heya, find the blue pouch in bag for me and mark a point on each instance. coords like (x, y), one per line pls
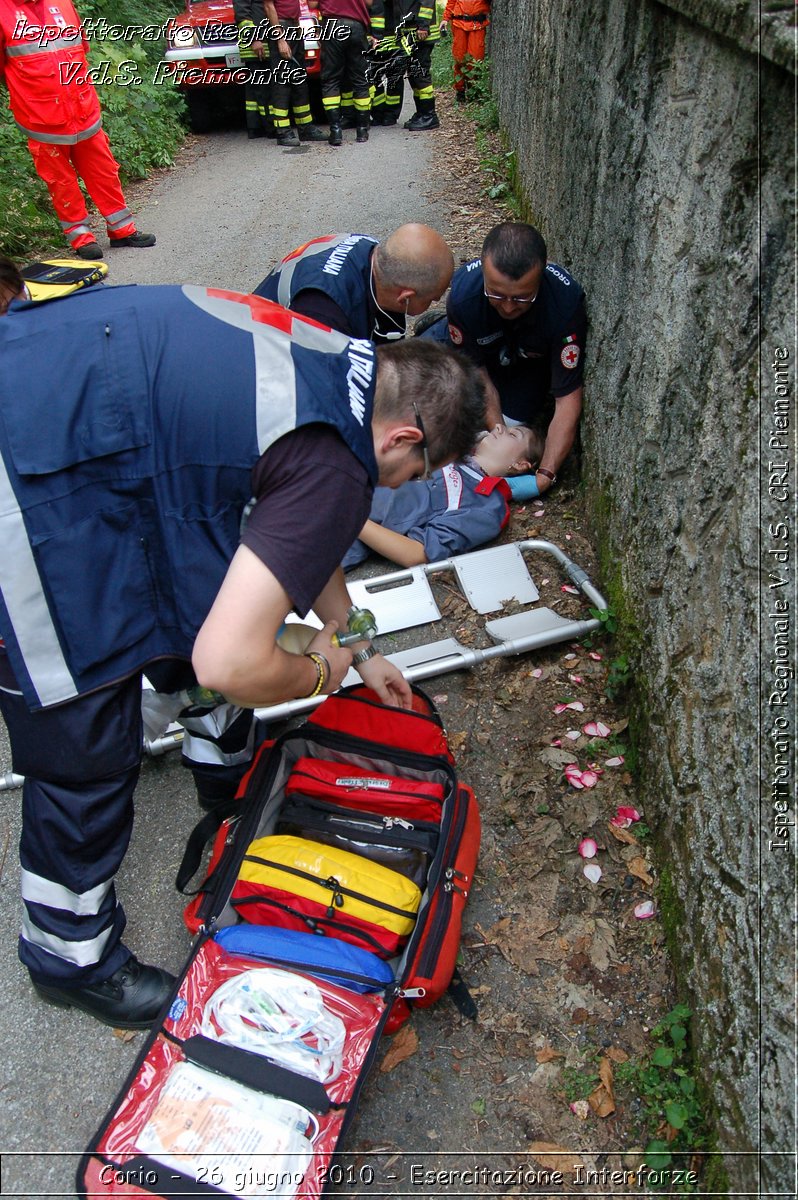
(348, 966)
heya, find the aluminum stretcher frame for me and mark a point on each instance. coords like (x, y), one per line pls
(488, 578)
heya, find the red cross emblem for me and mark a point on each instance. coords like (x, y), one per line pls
(569, 356)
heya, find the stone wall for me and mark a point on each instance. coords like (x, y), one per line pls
(654, 147)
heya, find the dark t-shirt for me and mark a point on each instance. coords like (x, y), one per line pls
(312, 498)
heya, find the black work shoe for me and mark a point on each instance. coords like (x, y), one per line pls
(288, 137)
(137, 240)
(311, 133)
(130, 999)
(422, 121)
(336, 137)
(349, 121)
(90, 250)
(362, 133)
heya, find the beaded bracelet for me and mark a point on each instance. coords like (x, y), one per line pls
(323, 668)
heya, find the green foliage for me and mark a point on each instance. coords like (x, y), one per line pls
(142, 120)
(666, 1086)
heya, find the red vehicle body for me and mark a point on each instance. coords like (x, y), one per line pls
(204, 56)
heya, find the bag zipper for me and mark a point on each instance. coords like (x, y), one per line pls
(339, 892)
(408, 836)
(311, 922)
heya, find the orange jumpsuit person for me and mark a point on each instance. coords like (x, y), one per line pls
(43, 63)
(469, 20)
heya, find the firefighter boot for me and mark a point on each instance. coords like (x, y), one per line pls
(362, 127)
(336, 136)
(425, 118)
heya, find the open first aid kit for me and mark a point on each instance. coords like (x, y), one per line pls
(333, 903)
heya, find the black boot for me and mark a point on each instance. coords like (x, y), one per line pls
(425, 118)
(348, 120)
(311, 133)
(288, 138)
(336, 136)
(362, 127)
(130, 999)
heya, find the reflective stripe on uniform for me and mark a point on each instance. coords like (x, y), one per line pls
(62, 139)
(38, 890)
(37, 48)
(27, 606)
(82, 953)
(123, 217)
(201, 742)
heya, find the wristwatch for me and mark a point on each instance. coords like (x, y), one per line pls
(363, 656)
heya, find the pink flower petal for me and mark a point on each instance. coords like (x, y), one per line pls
(574, 778)
(593, 872)
(596, 729)
(589, 779)
(644, 910)
(575, 678)
(543, 582)
(574, 705)
(630, 813)
(588, 848)
(573, 734)
(617, 761)
(568, 657)
(594, 655)
(540, 512)
(536, 674)
(581, 1109)
(556, 742)
(572, 591)
(567, 537)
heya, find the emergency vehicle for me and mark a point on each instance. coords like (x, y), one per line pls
(204, 56)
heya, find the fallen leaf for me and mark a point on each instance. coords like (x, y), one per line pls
(637, 867)
(622, 835)
(403, 1045)
(457, 741)
(602, 946)
(617, 1054)
(556, 1158)
(548, 1054)
(601, 1102)
(125, 1035)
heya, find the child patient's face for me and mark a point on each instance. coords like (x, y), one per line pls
(503, 449)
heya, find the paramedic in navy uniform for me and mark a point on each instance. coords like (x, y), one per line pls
(522, 320)
(361, 287)
(189, 466)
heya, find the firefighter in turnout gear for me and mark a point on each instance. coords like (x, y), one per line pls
(416, 26)
(469, 20)
(250, 18)
(343, 63)
(44, 65)
(290, 53)
(387, 65)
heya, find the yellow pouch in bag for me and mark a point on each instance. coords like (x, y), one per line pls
(345, 883)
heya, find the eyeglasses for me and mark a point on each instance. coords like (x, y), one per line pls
(509, 299)
(422, 444)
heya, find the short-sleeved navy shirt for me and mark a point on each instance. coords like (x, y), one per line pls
(540, 354)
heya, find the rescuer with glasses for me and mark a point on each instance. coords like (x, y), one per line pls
(522, 320)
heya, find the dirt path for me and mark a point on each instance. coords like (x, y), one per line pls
(566, 978)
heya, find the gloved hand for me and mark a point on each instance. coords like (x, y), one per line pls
(522, 487)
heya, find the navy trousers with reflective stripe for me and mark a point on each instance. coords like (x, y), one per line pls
(81, 765)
